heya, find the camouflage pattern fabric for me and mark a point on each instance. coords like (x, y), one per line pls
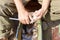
(32, 31)
(7, 9)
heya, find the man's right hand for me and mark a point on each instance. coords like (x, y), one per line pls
(23, 17)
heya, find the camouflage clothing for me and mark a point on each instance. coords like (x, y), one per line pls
(7, 9)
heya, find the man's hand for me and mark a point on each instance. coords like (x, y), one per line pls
(38, 14)
(23, 17)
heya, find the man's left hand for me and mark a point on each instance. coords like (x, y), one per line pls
(38, 14)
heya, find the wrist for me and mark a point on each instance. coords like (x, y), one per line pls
(43, 9)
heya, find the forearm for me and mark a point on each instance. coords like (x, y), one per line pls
(45, 5)
(19, 5)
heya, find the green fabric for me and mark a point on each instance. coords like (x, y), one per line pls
(39, 26)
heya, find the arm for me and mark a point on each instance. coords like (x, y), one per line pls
(22, 13)
(38, 14)
(19, 5)
(45, 4)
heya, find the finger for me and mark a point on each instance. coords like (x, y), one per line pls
(39, 17)
(23, 21)
(34, 19)
(38, 13)
(30, 17)
(35, 13)
(27, 20)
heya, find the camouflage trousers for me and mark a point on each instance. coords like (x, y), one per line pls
(6, 25)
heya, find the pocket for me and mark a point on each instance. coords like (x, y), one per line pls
(55, 10)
